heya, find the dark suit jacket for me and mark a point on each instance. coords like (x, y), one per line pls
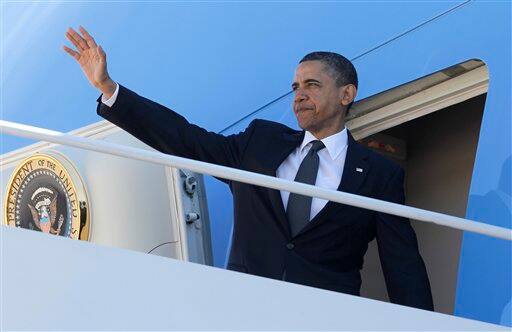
(328, 253)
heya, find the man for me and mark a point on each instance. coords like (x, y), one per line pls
(277, 234)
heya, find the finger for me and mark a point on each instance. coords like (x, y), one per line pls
(88, 38)
(74, 54)
(102, 54)
(74, 42)
(79, 41)
(78, 38)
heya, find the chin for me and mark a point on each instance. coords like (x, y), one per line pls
(303, 123)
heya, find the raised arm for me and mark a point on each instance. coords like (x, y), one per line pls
(169, 132)
(152, 123)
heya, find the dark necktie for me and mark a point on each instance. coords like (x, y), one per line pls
(299, 206)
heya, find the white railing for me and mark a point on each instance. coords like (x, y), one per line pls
(255, 179)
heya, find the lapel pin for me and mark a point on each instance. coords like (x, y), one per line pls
(360, 170)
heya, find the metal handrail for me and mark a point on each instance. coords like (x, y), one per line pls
(234, 174)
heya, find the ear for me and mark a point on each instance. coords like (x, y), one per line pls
(348, 94)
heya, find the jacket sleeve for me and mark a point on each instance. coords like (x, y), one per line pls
(404, 270)
(169, 132)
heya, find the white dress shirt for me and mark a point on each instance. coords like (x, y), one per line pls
(109, 102)
(330, 169)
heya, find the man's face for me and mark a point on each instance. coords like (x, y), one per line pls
(318, 103)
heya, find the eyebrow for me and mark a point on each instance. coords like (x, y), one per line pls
(309, 80)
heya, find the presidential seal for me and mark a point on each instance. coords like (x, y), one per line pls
(46, 194)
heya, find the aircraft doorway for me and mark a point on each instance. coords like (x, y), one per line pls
(437, 151)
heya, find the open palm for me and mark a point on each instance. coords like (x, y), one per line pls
(90, 56)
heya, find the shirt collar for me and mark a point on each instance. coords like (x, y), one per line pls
(334, 143)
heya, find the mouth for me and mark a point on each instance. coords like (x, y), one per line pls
(302, 109)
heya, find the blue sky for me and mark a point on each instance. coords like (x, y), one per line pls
(213, 62)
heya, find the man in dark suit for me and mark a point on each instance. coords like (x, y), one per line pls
(277, 234)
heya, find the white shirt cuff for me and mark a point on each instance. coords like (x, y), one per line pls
(109, 102)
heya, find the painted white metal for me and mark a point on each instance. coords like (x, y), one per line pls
(54, 283)
(98, 130)
(445, 94)
(194, 234)
(256, 179)
(147, 216)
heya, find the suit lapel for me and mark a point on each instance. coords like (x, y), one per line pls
(355, 169)
(276, 155)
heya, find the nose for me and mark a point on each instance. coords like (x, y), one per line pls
(300, 95)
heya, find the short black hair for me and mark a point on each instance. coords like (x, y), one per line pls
(341, 68)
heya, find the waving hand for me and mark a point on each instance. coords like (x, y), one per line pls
(92, 59)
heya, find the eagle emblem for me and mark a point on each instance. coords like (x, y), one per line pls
(44, 211)
(45, 194)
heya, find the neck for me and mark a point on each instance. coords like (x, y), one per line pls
(327, 131)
